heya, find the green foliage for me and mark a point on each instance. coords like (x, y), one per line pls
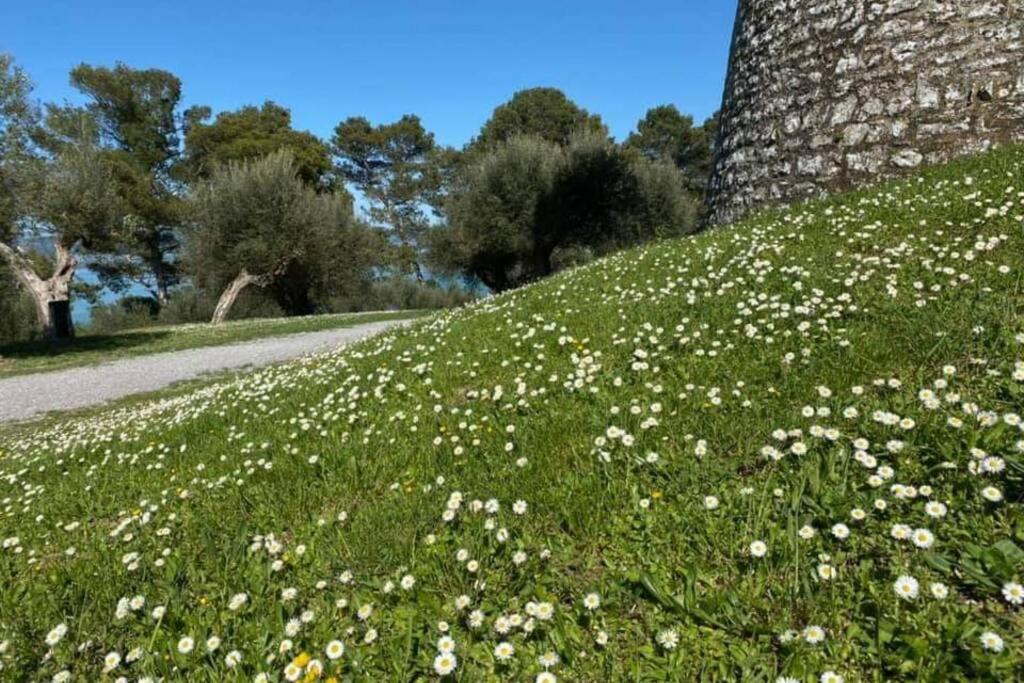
(394, 167)
(664, 134)
(530, 206)
(259, 216)
(543, 112)
(401, 294)
(250, 133)
(136, 110)
(136, 115)
(79, 199)
(17, 314)
(186, 306)
(17, 120)
(493, 219)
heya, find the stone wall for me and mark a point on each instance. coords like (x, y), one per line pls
(825, 95)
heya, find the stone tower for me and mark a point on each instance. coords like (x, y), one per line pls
(824, 95)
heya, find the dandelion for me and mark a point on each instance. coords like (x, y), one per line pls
(238, 601)
(233, 659)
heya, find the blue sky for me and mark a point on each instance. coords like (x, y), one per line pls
(449, 61)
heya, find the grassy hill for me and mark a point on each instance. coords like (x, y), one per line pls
(791, 447)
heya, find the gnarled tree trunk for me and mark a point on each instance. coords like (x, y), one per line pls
(51, 296)
(227, 298)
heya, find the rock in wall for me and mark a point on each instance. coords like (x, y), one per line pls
(825, 95)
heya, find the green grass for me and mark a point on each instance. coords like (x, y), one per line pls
(829, 374)
(88, 349)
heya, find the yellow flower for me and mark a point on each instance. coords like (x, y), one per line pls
(656, 495)
(302, 659)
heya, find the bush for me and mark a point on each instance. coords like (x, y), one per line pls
(402, 294)
(17, 318)
(186, 305)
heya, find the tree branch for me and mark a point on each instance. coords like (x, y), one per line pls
(21, 266)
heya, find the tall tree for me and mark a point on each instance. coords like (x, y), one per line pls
(666, 134)
(249, 133)
(138, 118)
(394, 166)
(256, 220)
(493, 214)
(530, 206)
(543, 112)
(17, 120)
(75, 209)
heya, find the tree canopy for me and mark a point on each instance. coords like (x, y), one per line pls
(249, 133)
(142, 191)
(530, 206)
(393, 166)
(257, 223)
(666, 134)
(136, 112)
(542, 112)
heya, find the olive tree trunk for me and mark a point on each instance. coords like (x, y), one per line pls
(52, 296)
(227, 298)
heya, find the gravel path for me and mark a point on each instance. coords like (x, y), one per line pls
(25, 396)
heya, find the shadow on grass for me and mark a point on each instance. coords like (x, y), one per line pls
(111, 344)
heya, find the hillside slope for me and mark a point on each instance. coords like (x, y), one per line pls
(792, 447)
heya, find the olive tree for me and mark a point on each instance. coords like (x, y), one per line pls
(530, 206)
(255, 220)
(68, 205)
